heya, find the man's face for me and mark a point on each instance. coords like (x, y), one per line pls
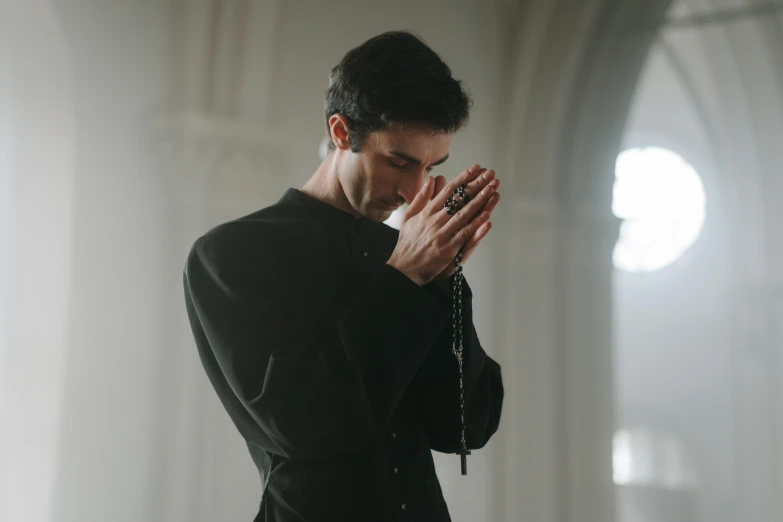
(391, 168)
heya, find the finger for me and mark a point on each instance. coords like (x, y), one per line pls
(474, 187)
(421, 199)
(440, 182)
(473, 243)
(464, 178)
(461, 236)
(451, 224)
(493, 201)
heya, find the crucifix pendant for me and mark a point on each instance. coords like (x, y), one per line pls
(463, 455)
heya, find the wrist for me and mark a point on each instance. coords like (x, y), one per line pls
(410, 276)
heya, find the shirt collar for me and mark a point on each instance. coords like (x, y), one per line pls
(320, 208)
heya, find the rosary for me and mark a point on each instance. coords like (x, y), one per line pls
(456, 329)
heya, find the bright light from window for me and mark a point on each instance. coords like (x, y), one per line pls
(646, 458)
(661, 199)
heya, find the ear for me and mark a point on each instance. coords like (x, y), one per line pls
(338, 126)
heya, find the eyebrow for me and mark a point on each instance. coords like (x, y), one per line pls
(411, 159)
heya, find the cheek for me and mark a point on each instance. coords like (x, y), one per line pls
(386, 178)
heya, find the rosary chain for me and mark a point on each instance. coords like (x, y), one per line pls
(457, 342)
(452, 207)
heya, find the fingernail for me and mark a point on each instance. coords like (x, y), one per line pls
(474, 169)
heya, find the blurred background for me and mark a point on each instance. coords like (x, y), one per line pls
(631, 288)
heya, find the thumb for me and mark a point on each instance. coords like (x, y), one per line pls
(421, 200)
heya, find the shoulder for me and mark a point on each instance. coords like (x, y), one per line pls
(268, 239)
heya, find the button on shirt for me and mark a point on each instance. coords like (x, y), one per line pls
(334, 366)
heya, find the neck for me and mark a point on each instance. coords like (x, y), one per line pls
(324, 185)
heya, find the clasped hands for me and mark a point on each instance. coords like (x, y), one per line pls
(430, 238)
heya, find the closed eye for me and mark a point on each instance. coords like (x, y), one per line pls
(406, 165)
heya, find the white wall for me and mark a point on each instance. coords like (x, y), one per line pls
(36, 179)
(105, 466)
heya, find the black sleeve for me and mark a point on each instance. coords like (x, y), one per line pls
(293, 387)
(437, 385)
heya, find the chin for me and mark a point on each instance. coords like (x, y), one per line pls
(380, 217)
(376, 214)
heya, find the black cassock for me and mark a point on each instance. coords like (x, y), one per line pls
(336, 368)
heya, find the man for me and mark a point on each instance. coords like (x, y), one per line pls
(326, 333)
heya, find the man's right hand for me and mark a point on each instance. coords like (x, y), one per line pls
(429, 238)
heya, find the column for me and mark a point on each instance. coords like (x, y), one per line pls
(555, 442)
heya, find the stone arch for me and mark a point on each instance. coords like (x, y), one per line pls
(572, 77)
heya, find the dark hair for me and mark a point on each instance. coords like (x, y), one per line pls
(394, 78)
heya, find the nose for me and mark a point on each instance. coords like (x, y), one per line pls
(412, 184)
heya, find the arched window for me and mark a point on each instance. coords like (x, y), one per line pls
(661, 200)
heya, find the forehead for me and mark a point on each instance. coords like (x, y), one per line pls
(413, 139)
